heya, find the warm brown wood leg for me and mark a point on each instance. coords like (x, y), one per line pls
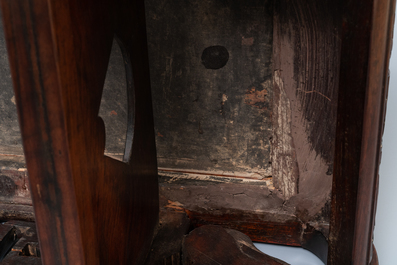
(90, 209)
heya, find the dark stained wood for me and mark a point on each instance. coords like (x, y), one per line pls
(27, 235)
(213, 120)
(8, 238)
(13, 258)
(352, 85)
(243, 207)
(90, 209)
(256, 227)
(14, 186)
(24, 248)
(365, 32)
(216, 245)
(17, 212)
(330, 62)
(167, 243)
(374, 113)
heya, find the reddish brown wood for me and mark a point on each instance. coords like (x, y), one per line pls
(365, 54)
(374, 112)
(90, 209)
(14, 186)
(216, 245)
(352, 85)
(16, 212)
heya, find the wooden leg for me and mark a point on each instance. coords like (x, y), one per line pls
(90, 209)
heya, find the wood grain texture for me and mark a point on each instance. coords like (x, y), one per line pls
(216, 245)
(352, 85)
(306, 60)
(374, 114)
(366, 32)
(84, 201)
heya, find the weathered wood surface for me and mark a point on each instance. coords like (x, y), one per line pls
(213, 120)
(306, 71)
(22, 246)
(10, 135)
(11, 211)
(90, 209)
(27, 244)
(243, 207)
(14, 187)
(380, 44)
(216, 245)
(321, 60)
(305, 42)
(13, 258)
(291, 165)
(8, 237)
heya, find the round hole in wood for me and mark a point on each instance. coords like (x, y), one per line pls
(214, 57)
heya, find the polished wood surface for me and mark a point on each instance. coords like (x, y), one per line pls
(365, 51)
(374, 117)
(90, 209)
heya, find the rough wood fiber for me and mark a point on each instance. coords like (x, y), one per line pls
(306, 64)
(10, 135)
(113, 109)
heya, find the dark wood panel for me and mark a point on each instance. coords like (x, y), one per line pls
(214, 120)
(362, 85)
(83, 200)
